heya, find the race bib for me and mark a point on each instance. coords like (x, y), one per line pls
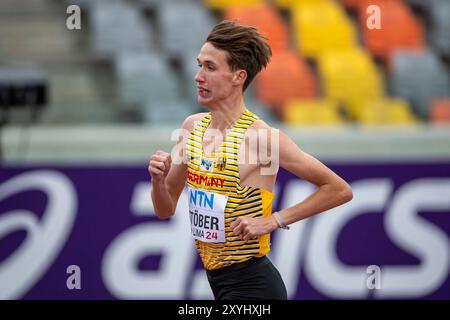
(206, 213)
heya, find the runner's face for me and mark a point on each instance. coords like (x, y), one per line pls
(214, 78)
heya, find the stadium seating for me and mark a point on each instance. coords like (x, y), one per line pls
(321, 26)
(350, 78)
(419, 3)
(440, 30)
(287, 77)
(440, 111)
(323, 55)
(352, 4)
(183, 27)
(288, 4)
(419, 77)
(385, 111)
(400, 29)
(225, 4)
(118, 27)
(266, 19)
(312, 112)
(144, 77)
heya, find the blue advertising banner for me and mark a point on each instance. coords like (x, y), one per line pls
(91, 233)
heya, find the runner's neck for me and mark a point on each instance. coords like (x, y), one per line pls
(224, 119)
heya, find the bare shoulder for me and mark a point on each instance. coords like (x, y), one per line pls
(265, 130)
(189, 122)
(260, 124)
(260, 129)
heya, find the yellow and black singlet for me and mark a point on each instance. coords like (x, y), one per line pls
(216, 197)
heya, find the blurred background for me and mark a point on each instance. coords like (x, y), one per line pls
(82, 110)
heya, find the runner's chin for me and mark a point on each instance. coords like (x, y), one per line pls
(202, 100)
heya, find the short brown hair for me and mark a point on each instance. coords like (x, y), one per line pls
(247, 48)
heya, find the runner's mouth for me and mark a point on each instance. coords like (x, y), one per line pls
(202, 91)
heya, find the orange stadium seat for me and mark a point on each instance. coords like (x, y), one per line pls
(400, 29)
(287, 77)
(440, 111)
(266, 19)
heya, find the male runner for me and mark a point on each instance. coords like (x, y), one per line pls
(229, 162)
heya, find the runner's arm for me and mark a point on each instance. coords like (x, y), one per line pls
(332, 190)
(166, 192)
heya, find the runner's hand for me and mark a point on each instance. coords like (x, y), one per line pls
(250, 228)
(159, 165)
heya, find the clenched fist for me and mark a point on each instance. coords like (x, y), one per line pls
(159, 165)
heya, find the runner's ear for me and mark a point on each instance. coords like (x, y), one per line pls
(239, 77)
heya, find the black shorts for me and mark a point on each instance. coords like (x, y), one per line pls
(255, 279)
